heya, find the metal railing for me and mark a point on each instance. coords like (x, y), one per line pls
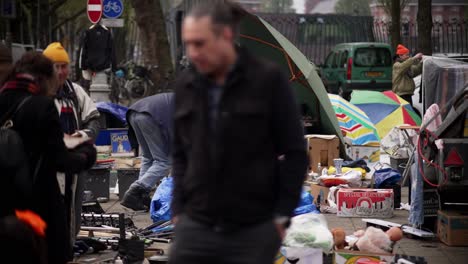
(315, 35)
(448, 37)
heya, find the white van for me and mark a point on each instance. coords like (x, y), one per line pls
(18, 49)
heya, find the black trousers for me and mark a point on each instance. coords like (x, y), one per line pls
(198, 243)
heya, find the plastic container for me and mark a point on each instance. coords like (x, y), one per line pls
(396, 161)
(126, 177)
(97, 181)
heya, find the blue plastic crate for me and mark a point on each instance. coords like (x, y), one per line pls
(104, 139)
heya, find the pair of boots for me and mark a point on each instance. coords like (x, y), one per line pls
(136, 198)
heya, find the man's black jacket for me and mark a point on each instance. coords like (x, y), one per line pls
(235, 178)
(97, 52)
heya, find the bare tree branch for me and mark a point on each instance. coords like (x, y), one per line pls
(72, 17)
(56, 5)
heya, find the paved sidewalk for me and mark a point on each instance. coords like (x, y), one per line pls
(434, 251)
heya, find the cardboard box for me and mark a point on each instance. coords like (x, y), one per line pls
(360, 257)
(299, 256)
(316, 190)
(369, 153)
(452, 228)
(322, 149)
(127, 163)
(375, 203)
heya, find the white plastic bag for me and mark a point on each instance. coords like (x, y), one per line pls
(352, 178)
(309, 231)
(395, 144)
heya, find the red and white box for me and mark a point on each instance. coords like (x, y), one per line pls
(376, 203)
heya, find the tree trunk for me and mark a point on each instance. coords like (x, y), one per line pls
(155, 45)
(395, 28)
(424, 26)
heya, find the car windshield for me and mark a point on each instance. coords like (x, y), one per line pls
(372, 57)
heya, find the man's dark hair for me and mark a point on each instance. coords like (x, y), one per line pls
(222, 13)
(36, 64)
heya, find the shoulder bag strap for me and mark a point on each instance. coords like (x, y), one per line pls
(9, 114)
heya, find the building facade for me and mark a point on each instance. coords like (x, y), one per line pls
(320, 6)
(251, 5)
(442, 11)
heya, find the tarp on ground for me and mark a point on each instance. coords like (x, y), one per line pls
(118, 111)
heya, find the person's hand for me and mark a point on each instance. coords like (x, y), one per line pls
(418, 56)
(175, 220)
(281, 230)
(74, 140)
(76, 134)
(120, 73)
(89, 151)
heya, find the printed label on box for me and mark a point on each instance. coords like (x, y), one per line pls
(365, 203)
(121, 145)
(356, 257)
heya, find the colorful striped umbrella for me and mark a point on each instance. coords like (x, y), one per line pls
(385, 109)
(357, 125)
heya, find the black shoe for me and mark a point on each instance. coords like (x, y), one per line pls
(136, 198)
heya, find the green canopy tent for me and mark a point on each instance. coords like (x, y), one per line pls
(263, 40)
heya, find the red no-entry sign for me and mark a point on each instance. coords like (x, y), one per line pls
(94, 10)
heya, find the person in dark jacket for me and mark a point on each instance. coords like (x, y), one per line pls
(21, 237)
(150, 121)
(38, 124)
(5, 62)
(235, 116)
(97, 52)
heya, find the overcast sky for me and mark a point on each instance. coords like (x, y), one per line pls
(299, 6)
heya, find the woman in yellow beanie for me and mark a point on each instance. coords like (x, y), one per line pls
(79, 117)
(404, 70)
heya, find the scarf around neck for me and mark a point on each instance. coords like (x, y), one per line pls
(66, 96)
(22, 81)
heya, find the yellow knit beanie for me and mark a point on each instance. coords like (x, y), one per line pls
(56, 53)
